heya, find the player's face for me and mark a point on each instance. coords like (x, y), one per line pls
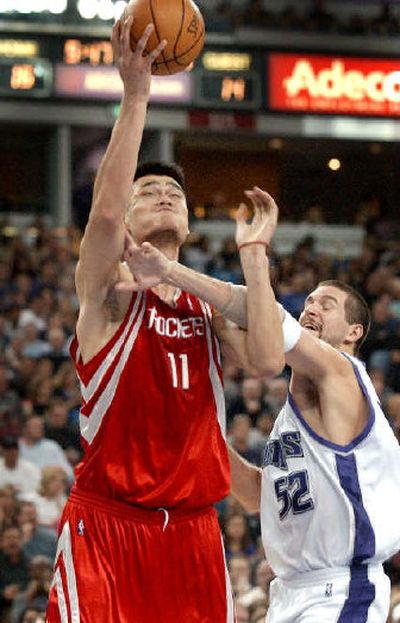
(324, 315)
(158, 206)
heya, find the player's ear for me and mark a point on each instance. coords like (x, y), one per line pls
(355, 332)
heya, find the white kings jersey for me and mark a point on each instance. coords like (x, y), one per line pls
(324, 505)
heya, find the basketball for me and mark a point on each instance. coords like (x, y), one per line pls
(180, 22)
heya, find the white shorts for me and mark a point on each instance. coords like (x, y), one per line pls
(344, 595)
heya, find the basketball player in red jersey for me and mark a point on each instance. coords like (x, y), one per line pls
(139, 538)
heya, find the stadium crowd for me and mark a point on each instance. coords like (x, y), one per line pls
(311, 16)
(40, 399)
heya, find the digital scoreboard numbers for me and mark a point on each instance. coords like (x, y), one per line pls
(29, 77)
(23, 70)
(225, 79)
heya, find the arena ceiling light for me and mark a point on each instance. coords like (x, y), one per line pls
(33, 6)
(104, 9)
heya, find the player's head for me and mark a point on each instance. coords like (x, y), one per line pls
(337, 314)
(158, 207)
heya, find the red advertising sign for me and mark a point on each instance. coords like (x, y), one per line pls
(331, 84)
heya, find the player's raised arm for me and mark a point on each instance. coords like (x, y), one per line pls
(103, 242)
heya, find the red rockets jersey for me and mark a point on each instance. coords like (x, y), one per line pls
(153, 412)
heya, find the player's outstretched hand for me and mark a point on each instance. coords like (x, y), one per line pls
(134, 67)
(263, 224)
(149, 267)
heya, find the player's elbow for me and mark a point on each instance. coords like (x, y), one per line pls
(104, 217)
(252, 506)
(268, 367)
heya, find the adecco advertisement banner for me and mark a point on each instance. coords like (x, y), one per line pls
(331, 84)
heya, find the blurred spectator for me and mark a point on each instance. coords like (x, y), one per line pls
(58, 351)
(276, 394)
(8, 506)
(34, 314)
(261, 431)
(384, 327)
(34, 347)
(58, 426)
(258, 594)
(250, 400)
(32, 615)
(237, 538)
(9, 400)
(50, 497)
(36, 539)
(240, 571)
(293, 294)
(23, 475)
(239, 438)
(43, 452)
(197, 254)
(35, 596)
(13, 568)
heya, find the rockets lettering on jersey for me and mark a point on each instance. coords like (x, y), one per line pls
(183, 328)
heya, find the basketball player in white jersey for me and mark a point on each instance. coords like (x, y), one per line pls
(329, 487)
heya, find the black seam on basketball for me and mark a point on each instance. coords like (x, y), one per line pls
(156, 29)
(181, 26)
(175, 58)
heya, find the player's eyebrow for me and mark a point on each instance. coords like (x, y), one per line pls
(323, 297)
(157, 183)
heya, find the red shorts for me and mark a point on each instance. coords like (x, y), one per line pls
(120, 564)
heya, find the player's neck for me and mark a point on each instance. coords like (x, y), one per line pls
(166, 243)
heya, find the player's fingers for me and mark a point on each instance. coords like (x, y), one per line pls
(141, 44)
(265, 198)
(127, 286)
(254, 199)
(154, 54)
(129, 241)
(115, 38)
(125, 37)
(242, 214)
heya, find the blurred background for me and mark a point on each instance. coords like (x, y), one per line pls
(302, 98)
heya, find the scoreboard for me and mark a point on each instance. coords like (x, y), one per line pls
(26, 77)
(228, 79)
(49, 66)
(240, 80)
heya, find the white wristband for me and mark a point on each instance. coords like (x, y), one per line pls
(291, 331)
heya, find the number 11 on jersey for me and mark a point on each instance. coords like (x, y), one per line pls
(180, 377)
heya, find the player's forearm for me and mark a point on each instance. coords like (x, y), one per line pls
(216, 293)
(264, 338)
(245, 482)
(113, 185)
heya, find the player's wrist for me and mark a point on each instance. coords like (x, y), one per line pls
(167, 272)
(253, 247)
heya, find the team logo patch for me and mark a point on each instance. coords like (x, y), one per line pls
(81, 528)
(329, 590)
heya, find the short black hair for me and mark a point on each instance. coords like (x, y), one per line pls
(9, 442)
(160, 168)
(355, 307)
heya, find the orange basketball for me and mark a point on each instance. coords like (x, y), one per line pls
(178, 21)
